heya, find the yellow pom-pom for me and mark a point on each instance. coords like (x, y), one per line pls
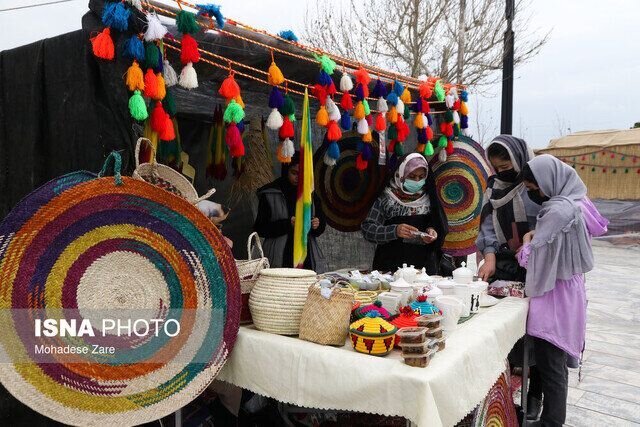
(464, 110)
(358, 113)
(367, 137)
(392, 115)
(406, 96)
(418, 122)
(238, 99)
(162, 90)
(275, 75)
(135, 78)
(322, 118)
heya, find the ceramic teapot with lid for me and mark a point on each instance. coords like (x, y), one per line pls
(407, 273)
(463, 275)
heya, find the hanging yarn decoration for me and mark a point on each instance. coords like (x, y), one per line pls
(287, 109)
(211, 11)
(189, 54)
(155, 29)
(276, 100)
(116, 15)
(233, 115)
(328, 114)
(439, 91)
(137, 106)
(423, 120)
(102, 45)
(464, 112)
(288, 35)
(360, 114)
(169, 74)
(346, 102)
(134, 49)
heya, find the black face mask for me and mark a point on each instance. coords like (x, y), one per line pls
(510, 175)
(536, 198)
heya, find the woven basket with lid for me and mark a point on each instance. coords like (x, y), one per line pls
(373, 335)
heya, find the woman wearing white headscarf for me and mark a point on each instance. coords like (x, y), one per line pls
(407, 221)
(556, 256)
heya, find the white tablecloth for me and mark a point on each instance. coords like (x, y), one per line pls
(314, 376)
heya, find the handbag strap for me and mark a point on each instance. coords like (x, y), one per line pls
(206, 195)
(254, 237)
(117, 167)
(153, 157)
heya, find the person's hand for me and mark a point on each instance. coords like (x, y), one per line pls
(404, 231)
(432, 236)
(315, 223)
(293, 221)
(487, 269)
(527, 238)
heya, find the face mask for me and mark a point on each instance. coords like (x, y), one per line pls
(510, 175)
(536, 198)
(412, 186)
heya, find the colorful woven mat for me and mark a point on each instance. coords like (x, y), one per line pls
(81, 246)
(346, 193)
(461, 181)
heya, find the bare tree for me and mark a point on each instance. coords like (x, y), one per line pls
(561, 125)
(458, 40)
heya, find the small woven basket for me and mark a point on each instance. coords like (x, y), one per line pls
(326, 320)
(165, 177)
(248, 271)
(278, 297)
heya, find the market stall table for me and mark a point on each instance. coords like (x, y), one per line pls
(314, 376)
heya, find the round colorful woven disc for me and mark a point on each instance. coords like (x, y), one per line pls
(461, 182)
(83, 248)
(346, 193)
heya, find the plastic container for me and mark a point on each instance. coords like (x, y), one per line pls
(434, 333)
(438, 343)
(419, 360)
(430, 321)
(421, 348)
(412, 335)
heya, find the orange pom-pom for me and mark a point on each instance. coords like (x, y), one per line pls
(229, 88)
(322, 117)
(367, 137)
(362, 77)
(275, 76)
(381, 124)
(406, 96)
(135, 77)
(420, 148)
(429, 133)
(333, 131)
(392, 115)
(464, 110)
(102, 45)
(426, 90)
(150, 84)
(346, 102)
(418, 122)
(161, 92)
(358, 113)
(168, 132)
(239, 100)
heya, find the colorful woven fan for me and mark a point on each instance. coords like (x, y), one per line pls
(345, 192)
(83, 248)
(461, 181)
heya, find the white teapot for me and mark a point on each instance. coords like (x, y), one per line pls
(406, 273)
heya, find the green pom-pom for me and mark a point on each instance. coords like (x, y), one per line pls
(448, 116)
(152, 55)
(439, 91)
(442, 142)
(392, 132)
(398, 150)
(234, 112)
(456, 129)
(169, 103)
(292, 118)
(428, 149)
(186, 22)
(137, 107)
(407, 113)
(327, 64)
(289, 107)
(367, 110)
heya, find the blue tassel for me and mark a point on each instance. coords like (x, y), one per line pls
(160, 67)
(429, 119)
(324, 79)
(241, 126)
(422, 136)
(276, 100)
(288, 35)
(379, 90)
(134, 49)
(417, 107)
(359, 93)
(334, 150)
(398, 88)
(464, 122)
(464, 96)
(367, 153)
(345, 121)
(360, 146)
(392, 99)
(116, 16)
(213, 11)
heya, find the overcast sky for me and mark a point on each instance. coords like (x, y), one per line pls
(586, 77)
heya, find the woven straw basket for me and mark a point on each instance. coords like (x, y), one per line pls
(326, 321)
(166, 177)
(277, 299)
(248, 271)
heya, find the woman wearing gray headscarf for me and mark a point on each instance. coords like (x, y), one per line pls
(556, 256)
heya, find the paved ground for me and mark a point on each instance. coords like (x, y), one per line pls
(609, 393)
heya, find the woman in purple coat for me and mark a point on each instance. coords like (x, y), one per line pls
(557, 255)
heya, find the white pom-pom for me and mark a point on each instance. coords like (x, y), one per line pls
(453, 92)
(400, 107)
(346, 84)
(449, 101)
(423, 77)
(442, 156)
(456, 117)
(382, 105)
(155, 29)
(169, 74)
(274, 122)
(287, 148)
(329, 161)
(188, 77)
(363, 126)
(465, 132)
(136, 3)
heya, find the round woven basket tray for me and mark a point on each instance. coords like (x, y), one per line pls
(277, 299)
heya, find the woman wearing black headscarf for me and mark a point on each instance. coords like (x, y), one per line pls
(407, 221)
(276, 216)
